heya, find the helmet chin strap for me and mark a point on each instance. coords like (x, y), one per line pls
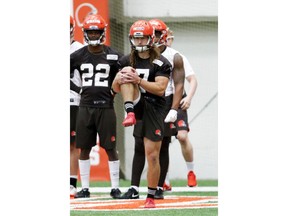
(141, 48)
(94, 42)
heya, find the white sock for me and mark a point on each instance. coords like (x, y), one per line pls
(114, 167)
(84, 168)
(190, 166)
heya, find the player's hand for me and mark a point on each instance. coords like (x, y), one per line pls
(129, 75)
(185, 103)
(172, 116)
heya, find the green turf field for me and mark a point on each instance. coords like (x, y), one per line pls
(164, 212)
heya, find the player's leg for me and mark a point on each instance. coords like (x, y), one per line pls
(153, 133)
(138, 164)
(85, 140)
(106, 128)
(129, 93)
(152, 150)
(164, 163)
(186, 146)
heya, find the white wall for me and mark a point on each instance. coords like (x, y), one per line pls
(200, 46)
(171, 8)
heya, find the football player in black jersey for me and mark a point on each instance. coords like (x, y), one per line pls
(142, 82)
(173, 95)
(97, 66)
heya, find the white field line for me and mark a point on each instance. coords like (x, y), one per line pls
(144, 189)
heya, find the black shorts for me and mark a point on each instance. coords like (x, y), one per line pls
(181, 123)
(150, 120)
(73, 117)
(91, 121)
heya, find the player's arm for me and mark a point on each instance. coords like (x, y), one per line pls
(157, 88)
(185, 102)
(178, 75)
(123, 77)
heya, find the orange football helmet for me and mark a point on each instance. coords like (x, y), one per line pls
(140, 29)
(160, 26)
(94, 22)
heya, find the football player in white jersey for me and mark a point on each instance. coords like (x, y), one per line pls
(182, 121)
(74, 104)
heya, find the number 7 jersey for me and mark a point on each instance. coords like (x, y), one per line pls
(96, 72)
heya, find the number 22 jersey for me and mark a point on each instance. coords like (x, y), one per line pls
(97, 72)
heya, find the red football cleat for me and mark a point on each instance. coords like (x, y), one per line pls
(149, 203)
(191, 179)
(167, 187)
(129, 120)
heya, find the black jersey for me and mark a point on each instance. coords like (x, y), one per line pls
(148, 71)
(97, 72)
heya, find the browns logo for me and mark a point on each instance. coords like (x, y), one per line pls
(158, 132)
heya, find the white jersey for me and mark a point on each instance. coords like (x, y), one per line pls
(187, 67)
(169, 53)
(75, 97)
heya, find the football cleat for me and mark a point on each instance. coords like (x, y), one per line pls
(84, 193)
(149, 203)
(129, 120)
(191, 179)
(115, 193)
(130, 194)
(73, 191)
(159, 194)
(167, 187)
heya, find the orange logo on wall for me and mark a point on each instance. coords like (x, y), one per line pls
(83, 8)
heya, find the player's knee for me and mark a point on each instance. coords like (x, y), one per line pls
(182, 136)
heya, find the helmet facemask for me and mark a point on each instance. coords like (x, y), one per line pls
(94, 22)
(96, 42)
(140, 29)
(141, 48)
(162, 39)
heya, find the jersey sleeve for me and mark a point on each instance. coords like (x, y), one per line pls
(123, 62)
(165, 68)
